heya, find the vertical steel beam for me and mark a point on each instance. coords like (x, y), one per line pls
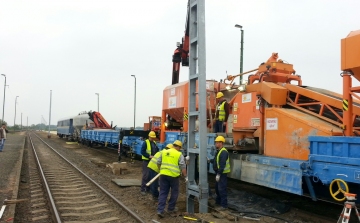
(197, 93)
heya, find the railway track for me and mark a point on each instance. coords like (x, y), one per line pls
(60, 192)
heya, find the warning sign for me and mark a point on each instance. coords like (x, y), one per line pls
(246, 98)
(271, 124)
(255, 122)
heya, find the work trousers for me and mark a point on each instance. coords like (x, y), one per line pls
(154, 186)
(167, 183)
(219, 126)
(145, 176)
(2, 143)
(221, 191)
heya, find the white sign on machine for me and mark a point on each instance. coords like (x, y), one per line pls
(172, 91)
(172, 102)
(271, 124)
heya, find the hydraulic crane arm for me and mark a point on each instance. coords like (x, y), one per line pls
(181, 54)
(99, 120)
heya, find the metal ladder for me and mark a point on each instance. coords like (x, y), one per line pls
(197, 72)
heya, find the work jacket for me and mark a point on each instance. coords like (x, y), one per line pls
(222, 111)
(148, 149)
(170, 163)
(153, 162)
(222, 164)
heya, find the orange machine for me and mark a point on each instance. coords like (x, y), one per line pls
(175, 105)
(350, 64)
(276, 116)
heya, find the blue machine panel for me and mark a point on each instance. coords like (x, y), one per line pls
(335, 157)
(277, 173)
(170, 137)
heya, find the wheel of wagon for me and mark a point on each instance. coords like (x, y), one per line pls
(337, 187)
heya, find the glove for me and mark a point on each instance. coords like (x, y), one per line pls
(217, 177)
(186, 179)
(187, 158)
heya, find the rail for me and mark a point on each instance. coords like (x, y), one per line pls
(130, 212)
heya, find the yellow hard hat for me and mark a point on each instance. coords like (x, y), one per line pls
(152, 134)
(177, 143)
(169, 146)
(220, 139)
(219, 95)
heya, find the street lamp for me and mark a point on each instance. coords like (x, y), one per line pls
(15, 111)
(4, 98)
(241, 50)
(134, 100)
(49, 136)
(98, 100)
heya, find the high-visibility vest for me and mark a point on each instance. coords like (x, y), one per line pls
(153, 162)
(227, 165)
(221, 109)
(148, 149)
(170, 163)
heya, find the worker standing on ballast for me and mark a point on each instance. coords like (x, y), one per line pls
(148, 150)
(154, 170)
(222, 113)
(221, 167)
(171, 163)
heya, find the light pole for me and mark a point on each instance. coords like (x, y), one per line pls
(4, 98)
(134, 100)
(241, 50)
(49, 136)
(15, 111)
(98, 101)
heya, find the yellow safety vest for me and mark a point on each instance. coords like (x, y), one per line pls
(153, 162)
(221, 109)
(170, 163)
(227, 166)
(148, 149)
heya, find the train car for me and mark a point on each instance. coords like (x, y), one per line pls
(71, 127)
(65, 127)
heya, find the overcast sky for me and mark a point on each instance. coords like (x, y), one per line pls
(79, 48)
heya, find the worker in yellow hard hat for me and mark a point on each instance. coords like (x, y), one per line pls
(221, 166)
(154, 170)
(172, 164)
(222, 113)
(148, 150)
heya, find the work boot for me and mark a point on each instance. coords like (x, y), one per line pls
(221, 209)
(161, 215)
(143, 193)
(155, 198)
(175, 210)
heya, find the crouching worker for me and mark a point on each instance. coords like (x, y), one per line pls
(171, 162)
(154, 170)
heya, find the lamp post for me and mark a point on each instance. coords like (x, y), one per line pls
(49, 136)
(134, 100)
(98, 101)
(241, 50)
(15, 111)
(4, 98)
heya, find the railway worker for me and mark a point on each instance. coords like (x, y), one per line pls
(171, 163)
(222, 113)
(148, 150)
(154, 170)
(3, 132)
(221, 167)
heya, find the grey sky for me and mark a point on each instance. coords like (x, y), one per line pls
(77, 48)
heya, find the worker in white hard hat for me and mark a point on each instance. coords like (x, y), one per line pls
(171, 164)
(148, 150)
(222, 113)
(221, 166)
(154, 170)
